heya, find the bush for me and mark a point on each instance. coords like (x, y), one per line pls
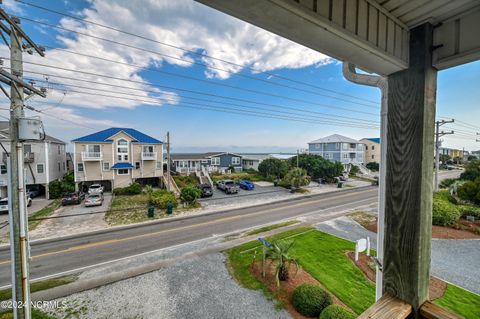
(309, 300)
(373, 166)
(444, 212)
(186, 180)
(190, 194)
(354, 170)
(317, 167)
(162, 198)
(273, 168)
(297, 177)
(58, 188)
(133, 189)
(447, 182)
(470, 191)
(336, 312)
(472, 171)
(469, 210)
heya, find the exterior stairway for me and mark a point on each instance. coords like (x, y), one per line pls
(173, 186)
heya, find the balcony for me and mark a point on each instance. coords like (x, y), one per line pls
(29, 157)
(149, 156)
(91, 156)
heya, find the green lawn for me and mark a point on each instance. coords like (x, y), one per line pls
(323, 256)
(460, 301)
(41, 285)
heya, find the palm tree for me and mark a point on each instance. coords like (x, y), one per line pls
(278, 254)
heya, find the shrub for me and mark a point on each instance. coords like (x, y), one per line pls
(162, 198)
(297, 177)
(309, 300)
(190, 194)
(469, 210)
(447, 182)
(186, 180)
(317, 167)
(444, 212)
(133, 189)
(354, 170)
(336, 312)
(373, 166)
(58, 188)
(472, 171)
(470, 191)
(273, 168)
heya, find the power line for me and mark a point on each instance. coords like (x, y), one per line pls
(196, 79)
(193, 52)
(229, 110)
(179, 89)
(356, 121)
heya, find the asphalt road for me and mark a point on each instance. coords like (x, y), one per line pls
(69, 254)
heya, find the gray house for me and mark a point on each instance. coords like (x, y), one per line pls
(45, 161)
(211, 162)
(338, 148)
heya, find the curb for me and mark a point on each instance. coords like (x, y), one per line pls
(180, 218)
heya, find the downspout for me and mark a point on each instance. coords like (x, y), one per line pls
(349, 72)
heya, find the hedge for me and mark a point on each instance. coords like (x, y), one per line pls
(444, 212)
(133, 189)
(336, 312)
(309, 300)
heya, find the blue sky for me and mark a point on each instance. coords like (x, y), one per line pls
(195, 27)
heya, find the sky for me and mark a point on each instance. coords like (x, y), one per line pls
(213, 81)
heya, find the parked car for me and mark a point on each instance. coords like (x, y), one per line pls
(228, 186)
(95, 189)
(246, 184)
(73, 198)
(33, 192)
(4, 203)
(94, 200)
(206, 190)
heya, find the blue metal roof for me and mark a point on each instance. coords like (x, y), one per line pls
(374, 139)
(103, 136)
(122, 166)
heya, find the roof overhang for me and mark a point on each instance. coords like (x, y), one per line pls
(372, 34)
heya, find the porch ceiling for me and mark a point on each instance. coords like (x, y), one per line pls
(372, 34)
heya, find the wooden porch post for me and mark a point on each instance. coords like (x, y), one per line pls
(409, 177)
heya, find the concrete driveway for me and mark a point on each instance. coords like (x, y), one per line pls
(73, 219)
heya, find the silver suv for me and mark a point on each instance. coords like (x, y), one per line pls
(228, 186)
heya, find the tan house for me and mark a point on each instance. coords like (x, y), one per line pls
(372, 150)
(117, 157)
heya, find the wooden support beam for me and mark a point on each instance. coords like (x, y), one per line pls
(387, 307)
(432, 311)
(409, 178)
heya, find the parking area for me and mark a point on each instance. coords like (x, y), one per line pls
(73, 219)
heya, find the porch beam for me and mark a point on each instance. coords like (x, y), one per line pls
(409, 177)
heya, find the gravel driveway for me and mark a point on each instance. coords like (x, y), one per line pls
(64, 226)
(195, 288)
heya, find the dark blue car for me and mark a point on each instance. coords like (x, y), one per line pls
(245, 184)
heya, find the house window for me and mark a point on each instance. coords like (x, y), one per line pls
(106, 166)
(40, 169)
(59, 167)
(366, 147)
(373, 156)
(337, 146)
(58, 148)
(317, 145)
(64, 166)
(344, 146)
(122, 150)
(80, 167)
(148, 149)
(373, 147)
(159, 165)
(137, 165)
(27, 148)
(3, 169)
(215, 160)
(235, 160)
(122, 171)
(91, 148)
(345, 155)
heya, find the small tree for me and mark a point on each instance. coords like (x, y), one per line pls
(297, 177)
(278, 254)
(273, 168)
(190, 194)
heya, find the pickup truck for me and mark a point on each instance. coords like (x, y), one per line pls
(228, 186)
(95, 189)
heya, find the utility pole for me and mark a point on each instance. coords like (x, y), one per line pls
(19, 41)
(168, 161)
(297, 158)
(439, 134)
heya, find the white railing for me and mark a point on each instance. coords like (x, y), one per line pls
(91, 156)
(149, 155)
